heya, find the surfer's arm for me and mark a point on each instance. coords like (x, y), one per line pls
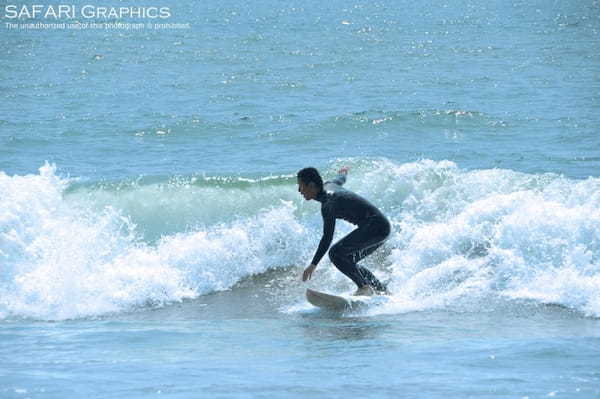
(328, 230)
(340, 179)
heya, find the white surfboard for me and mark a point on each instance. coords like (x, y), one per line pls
(336, 302)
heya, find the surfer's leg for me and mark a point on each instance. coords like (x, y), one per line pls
(355, 246)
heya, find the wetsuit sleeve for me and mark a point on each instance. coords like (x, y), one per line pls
(328, 229)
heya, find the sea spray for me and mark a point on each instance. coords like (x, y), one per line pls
(478, 235)
(461, 239)
(63, 261)
(218, 258)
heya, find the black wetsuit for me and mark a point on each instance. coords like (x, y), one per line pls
(373, 229)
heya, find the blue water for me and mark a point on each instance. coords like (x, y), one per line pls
(152, 237)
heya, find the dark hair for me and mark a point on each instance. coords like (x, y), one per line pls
(311, 175)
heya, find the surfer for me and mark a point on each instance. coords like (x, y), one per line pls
(338, 203)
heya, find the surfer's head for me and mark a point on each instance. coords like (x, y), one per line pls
(310, 183)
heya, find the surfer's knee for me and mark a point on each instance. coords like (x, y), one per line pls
(340, 257)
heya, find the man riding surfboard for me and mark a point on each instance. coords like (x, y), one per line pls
(372, 230)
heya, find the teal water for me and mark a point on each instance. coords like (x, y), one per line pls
(152, 237)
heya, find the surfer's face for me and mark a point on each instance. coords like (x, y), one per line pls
(308, 191)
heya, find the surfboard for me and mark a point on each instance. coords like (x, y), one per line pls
(334, 302)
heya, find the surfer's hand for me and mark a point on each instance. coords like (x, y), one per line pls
(343, 171)
(308, 272)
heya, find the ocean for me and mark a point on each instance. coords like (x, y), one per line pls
(152, 237)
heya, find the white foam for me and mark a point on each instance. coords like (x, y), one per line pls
(468, 235)
(63, 261)
(460, 237)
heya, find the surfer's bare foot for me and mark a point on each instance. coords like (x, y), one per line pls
(365, 290)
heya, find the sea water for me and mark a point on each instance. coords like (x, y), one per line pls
(152, 238)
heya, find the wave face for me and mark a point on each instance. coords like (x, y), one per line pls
(63, 258)
(73, 250)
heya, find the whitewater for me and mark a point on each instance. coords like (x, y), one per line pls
(73, 250)
(152, 236)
